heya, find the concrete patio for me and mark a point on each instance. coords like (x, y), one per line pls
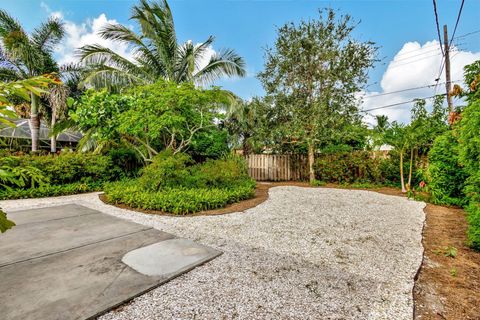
(65, 262)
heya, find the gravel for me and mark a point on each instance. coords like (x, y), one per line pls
(305, 253)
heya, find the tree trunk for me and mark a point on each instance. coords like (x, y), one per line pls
(34, 121)
(410, 169)
(401, 172)
(53, 139)
(311, 160)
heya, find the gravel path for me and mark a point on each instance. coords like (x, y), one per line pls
(305, 253)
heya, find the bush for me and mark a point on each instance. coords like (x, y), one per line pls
(54, 175)
(176, 200)
(445, 175)
(67, 167)
(173, 184)
(473, 219)
(351, 167)
(50, 190)
(125, 162)
(167, 170)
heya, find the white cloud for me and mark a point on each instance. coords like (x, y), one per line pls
(415, 65)
(80, 34)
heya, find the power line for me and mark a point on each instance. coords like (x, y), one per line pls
(394, 65)
(438, 26)
(416, 55)
(456, 23)
(467, 34)
(422, 48)
(408, 89)
(400, 103)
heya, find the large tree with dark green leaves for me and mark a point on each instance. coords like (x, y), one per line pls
(23, 56)
(157, 54)
(313, 74)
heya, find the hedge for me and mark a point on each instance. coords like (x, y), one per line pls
(50, 190)
(176, 200)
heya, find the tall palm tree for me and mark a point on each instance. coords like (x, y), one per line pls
(23, 56)
(156, 53)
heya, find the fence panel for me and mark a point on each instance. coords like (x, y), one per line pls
(277, 167)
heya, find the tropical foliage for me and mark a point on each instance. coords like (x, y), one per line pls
(23, 56)
(156, 54)
(174, 183)
(151, 118)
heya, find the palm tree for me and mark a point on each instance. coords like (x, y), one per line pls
(156, 54)
(23, 56)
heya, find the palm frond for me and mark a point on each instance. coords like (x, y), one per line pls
(185, 62)
(104, 76)
(48, 34)
(142, 53)
(225, 63)
(156, 22)
(8, 74)
(201, 50)
(8, 24)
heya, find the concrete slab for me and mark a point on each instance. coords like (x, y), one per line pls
(50, 213)
(69, 265)
(35, 239)
(168, 257)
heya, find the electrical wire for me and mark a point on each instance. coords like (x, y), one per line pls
(438, 26)
(467, 34)
(399, 103)
(456, 23)
(408, 89)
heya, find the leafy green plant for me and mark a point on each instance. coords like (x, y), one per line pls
(453, 272)
(445, 174)
(51, 190)
(172, 183)
(5, 224)
(317, 183)
(447, 251)
(354, 167)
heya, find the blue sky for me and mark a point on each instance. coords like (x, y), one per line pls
(250, 26)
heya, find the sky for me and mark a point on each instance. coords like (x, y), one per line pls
(404, 30)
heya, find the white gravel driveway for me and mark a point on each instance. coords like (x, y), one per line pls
(305, 253)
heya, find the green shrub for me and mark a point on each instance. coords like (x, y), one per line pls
(171, 183)
(167, 170)
(350, 167)
(67, 167)
(473, 219)
(445, 175)
(176, 200)
(469, 150)
(125, 162)
(220, 173)
(50, 190)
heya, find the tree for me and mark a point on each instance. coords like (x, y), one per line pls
(313, 74)
(398, 136)
(157, 54)
(21, 89)
(23, 56)
(150, 118)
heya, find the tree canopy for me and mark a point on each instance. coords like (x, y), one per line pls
(313, 74)
(157, 54)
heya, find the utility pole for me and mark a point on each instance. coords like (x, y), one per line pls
(448, 83)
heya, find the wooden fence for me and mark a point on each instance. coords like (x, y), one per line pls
(277, 167)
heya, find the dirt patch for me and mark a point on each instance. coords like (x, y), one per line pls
(446, 287)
